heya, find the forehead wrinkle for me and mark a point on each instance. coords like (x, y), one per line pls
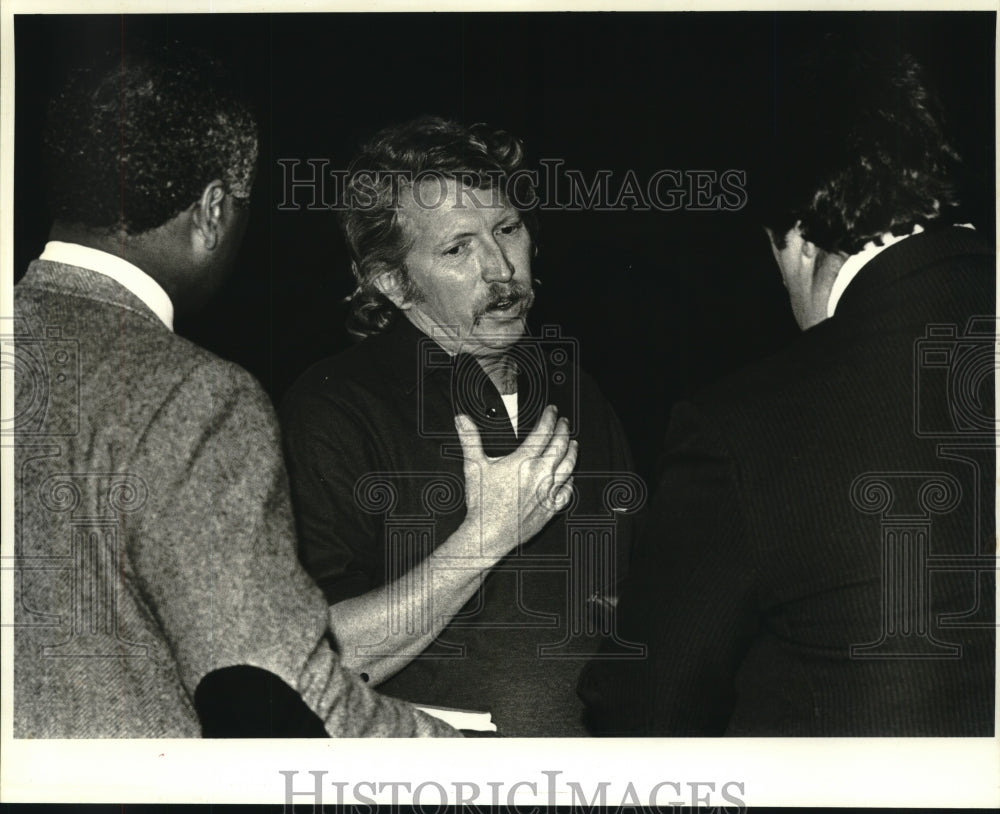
(488, 198)
(475, 213)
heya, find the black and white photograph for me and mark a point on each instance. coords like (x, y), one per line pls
(615, 389)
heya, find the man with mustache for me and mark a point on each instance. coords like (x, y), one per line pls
(440, 229)
(158, 591)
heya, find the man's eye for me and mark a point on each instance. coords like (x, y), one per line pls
(510, 228)
(454, 250)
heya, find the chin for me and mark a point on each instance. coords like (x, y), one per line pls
(496, 335)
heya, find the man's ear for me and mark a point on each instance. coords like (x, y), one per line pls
(207, 215)
(391, 287)
(809, 249)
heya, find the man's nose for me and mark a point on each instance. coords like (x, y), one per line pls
(496, 266)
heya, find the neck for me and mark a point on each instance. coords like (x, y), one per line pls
(813, 309)
(502, 371)
(148, 251)
(498, 365)
(110, 242)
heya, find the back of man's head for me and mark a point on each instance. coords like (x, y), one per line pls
(859, 150)
(133, 139)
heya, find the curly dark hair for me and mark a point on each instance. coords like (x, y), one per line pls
(860, 150)
(396, 158)
(133, 138)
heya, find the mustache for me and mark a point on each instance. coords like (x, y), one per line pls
(514, 294)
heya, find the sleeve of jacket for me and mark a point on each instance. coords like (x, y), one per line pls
(689, 598)
(328, 448)
(629, 488)
(216, 559)
(606, 455)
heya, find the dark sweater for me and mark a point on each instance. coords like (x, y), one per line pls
(373, 457)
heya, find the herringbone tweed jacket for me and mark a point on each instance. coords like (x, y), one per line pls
(154, 539)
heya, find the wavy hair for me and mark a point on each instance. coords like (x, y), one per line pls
(395, 159)
(860, 150)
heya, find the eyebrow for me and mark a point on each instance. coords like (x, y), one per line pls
(455, 236)
(514, 215)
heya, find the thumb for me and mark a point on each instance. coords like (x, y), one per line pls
(468, 435)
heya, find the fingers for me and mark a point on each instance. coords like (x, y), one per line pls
(468, 435)
(559, 443)
(556, 490)
(558, 459)
(564, 495)
(539, 437)
(558, 496)
(566, 466)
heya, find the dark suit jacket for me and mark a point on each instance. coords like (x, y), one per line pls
(818, 558)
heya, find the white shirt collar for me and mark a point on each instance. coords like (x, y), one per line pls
(856, 262)
(510, 402)
(119, 270)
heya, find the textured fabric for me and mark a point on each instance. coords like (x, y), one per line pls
(370, 439)
(781, 582)
(154, 534)
(118, 269)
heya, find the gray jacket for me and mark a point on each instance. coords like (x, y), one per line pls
(154, 538)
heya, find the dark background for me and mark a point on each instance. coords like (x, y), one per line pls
(661, 302)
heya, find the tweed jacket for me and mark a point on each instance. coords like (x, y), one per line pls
(820, 557)
(154, 538)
